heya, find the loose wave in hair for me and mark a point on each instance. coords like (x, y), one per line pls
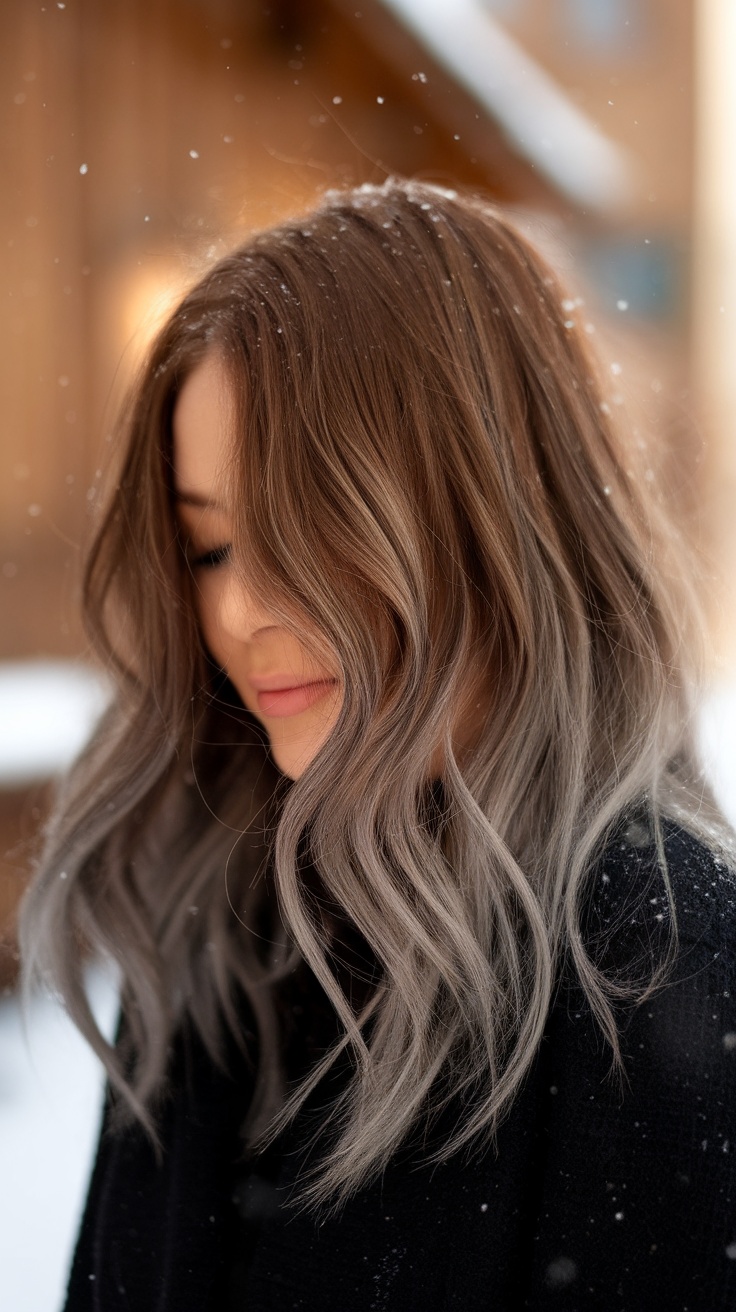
(426, 476)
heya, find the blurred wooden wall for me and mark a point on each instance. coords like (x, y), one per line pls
(137, 139)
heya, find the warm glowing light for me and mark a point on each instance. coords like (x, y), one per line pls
(149, 294)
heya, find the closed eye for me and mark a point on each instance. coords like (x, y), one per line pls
(210, 559)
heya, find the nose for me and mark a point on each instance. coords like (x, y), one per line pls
(236, 614)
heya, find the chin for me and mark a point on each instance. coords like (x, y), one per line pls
(293, 753)
(291, 764)
(293, 746)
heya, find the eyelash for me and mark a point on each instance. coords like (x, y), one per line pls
(211, 559)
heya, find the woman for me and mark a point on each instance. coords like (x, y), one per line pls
(396, 831)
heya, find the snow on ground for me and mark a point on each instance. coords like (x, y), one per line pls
(47, 711)
(50, 1107)
(718, 745)
(51, 1092)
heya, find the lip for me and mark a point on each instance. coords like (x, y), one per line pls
(283, 701)
(280, 682)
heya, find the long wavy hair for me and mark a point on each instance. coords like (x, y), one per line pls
(427, 475)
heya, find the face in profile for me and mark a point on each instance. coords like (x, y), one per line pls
(296, 702)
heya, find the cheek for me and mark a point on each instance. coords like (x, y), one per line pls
(208, 599)
(227, 613)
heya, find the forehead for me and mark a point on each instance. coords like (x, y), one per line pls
(202, 426)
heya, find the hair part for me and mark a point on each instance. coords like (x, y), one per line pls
(428, 480)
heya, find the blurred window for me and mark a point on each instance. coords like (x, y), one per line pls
(644, 274)
(608, 27)
(505, 8)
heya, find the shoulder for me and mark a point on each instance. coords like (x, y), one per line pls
(639, 1177)
(633, 897)
(673, 994)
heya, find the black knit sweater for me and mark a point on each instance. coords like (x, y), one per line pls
(597, 1196)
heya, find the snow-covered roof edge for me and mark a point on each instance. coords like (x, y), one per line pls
(537, 117)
